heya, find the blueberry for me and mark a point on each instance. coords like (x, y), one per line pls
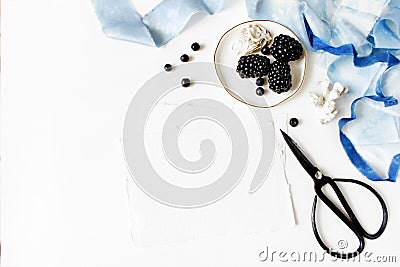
(260, 81)
(167, 67)
(184, 58)
(260, 91)
(195, 46)
(185, 82)
(265, 50)
(293, 122)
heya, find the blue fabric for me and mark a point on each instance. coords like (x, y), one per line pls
(357, 160)
(355, 38)
(386, 32)
(120, 20)
(346, 50)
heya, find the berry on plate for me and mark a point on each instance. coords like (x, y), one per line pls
(253, 66)
(279, 77)
(260, 91)
(286, 48)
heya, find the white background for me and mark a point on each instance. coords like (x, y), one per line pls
(65, 91)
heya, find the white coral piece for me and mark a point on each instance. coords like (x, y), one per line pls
(252, 38)
(337, 91)
(325, 101)
(317, 99)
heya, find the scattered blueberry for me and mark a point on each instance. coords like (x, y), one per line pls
(184, 58)
(167, 67)
(265, 50)
(293, 122)
(185, 82)
(260, 81)
(195, 46)
(260, 91)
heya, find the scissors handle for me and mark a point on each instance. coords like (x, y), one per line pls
(349, 218)
(329, 250)
(381, 201)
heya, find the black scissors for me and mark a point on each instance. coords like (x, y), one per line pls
(320, 180)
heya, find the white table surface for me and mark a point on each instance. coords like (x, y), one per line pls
(65, 91)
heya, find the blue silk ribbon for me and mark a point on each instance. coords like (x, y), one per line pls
(120, 20)
(349, 50)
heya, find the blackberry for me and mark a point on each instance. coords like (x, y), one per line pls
(253, 66)
(279, 77)
(286, 48)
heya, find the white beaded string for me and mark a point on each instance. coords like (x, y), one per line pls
(252, 38)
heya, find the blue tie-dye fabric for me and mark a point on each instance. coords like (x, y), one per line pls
(120, 20)
(364, 36)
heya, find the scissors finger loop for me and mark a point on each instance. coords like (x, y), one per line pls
(329, 250)
(381, 201)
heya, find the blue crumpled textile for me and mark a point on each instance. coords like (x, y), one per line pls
(381, 118)
(386, 31)
(364, 36)
(120, 20)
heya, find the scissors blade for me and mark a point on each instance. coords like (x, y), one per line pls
(304, 161)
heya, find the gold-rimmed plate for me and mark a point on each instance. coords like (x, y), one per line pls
(225, 63)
